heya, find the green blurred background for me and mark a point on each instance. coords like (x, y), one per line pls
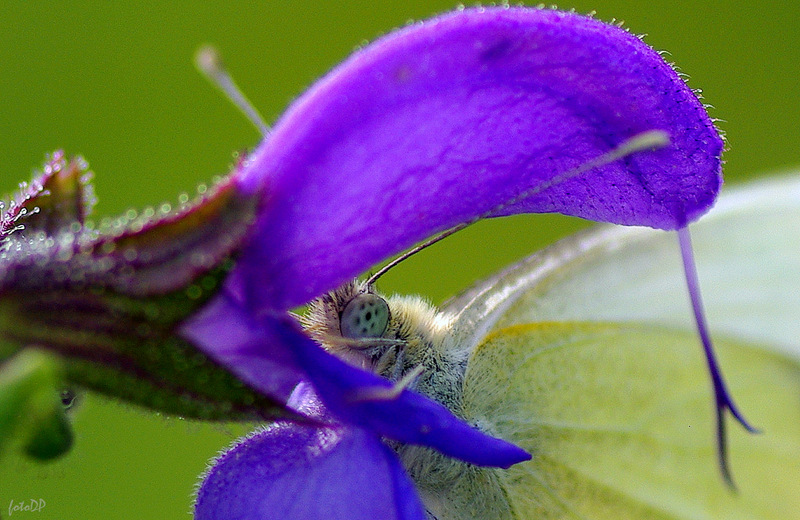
(115, 82)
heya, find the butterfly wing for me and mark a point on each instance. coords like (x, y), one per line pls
(748, 256)
(585, 355)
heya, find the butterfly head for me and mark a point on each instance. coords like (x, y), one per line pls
(353, 322)
(388, 336)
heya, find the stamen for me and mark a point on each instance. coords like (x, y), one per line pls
(388, 393)
(722, 396)
(648, 140)
(210, 64)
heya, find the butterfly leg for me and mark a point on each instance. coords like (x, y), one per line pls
(391, 393)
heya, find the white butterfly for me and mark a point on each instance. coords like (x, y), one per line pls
(585, 355)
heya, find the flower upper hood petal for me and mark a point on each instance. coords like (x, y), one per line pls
(443, 121)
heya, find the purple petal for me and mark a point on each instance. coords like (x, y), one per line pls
(443, 121)
(298, 472)
(231, 336)
(409, 418)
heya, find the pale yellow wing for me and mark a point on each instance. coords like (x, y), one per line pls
(618, 419)
(748, 258)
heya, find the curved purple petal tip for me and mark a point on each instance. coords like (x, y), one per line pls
(440, 122)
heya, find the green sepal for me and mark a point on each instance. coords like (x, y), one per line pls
(110, 301)
(30, 406)
(59, 196)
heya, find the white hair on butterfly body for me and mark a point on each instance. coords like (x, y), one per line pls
(424, 344)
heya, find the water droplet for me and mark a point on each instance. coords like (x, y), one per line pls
(130, 254)
(152, 311)
(68, 398)
(194, 292)
(143, 329)
(154, 354)
(64, 255)
(137, 226)
(107, 247)
(200, 260)
(105, 264)
(208, 283)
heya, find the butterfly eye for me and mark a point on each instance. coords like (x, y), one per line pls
(366, 316)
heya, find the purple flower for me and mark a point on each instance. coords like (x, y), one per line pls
(431, 126)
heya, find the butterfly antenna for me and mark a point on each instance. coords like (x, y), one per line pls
(416, 249)
(723, 400)
(648, 140)
(209, 63)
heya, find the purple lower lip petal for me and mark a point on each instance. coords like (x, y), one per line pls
(299, 472)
